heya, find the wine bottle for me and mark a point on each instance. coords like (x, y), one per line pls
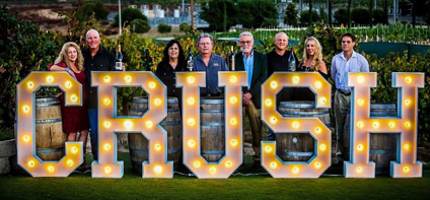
(118, 58)
(190, 62)
(233, 59)
(292, 62)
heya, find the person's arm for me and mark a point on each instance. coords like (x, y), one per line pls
(224, 66)
(261, 77)
(296, 58)
(194, 62)
(323, 67)
(365, 65)
(55, 67)
(333, 68)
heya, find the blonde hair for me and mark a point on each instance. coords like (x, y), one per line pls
(318, 57)
(62, 57)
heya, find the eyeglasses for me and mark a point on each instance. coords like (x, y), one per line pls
(245, 42)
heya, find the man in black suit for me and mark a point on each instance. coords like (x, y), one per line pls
(255, 64)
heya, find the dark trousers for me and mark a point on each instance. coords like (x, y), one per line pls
(256, 129)
(341, 114)
(92, 115)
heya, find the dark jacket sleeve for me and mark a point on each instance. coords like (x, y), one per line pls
(261, 64)
(111, 59)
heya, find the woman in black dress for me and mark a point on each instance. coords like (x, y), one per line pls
(313, 58)
(173, 61)
(312, 62)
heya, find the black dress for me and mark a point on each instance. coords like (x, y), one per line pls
(166, 74)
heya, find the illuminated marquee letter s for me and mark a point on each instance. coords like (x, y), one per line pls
(318, 130)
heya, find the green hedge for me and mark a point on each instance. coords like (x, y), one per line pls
(385, 93)
(23, 49)
(139, 26)
(164, 28)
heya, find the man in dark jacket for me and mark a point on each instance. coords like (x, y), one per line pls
(255, 65)
(280, 60)
(96, 58)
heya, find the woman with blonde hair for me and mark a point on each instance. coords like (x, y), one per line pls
(75, 118)
(312, 57)
(312, 62)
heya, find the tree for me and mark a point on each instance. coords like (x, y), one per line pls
(139, 26)
(310, 11)
(422, 9)
(349, 12)
(130, 14)
(25, 48)
(361, 16)
(164, 28)
(291, 15)
(90, 8)
(341, 16)
(323, 15)
(222, 14)
(330, 8)
(386, 9)
(427, 14)
(379, 16)
(306, 16)
(219, 14)
(258, 13)
(370, 6)
(414, 12)
(186, 28)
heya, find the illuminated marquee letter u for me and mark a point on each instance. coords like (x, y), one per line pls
(233, 82)
(405, 123)
(26, 132)
(318, 130)
(148, 124)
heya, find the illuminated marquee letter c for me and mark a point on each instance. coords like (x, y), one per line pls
(26, 132)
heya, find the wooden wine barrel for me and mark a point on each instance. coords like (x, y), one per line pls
(138, 144)
(212, 128)
(299, 146)
(50, 139)
(383, 146)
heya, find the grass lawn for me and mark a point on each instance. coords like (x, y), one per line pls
(132, 186)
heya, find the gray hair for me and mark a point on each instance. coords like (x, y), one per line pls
(246, 33)
(92, 30)
(205, 35)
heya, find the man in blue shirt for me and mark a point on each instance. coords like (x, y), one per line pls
(255, 65)
(343, 63)
(210, 63)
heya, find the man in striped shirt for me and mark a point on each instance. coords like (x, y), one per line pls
(343, 63)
